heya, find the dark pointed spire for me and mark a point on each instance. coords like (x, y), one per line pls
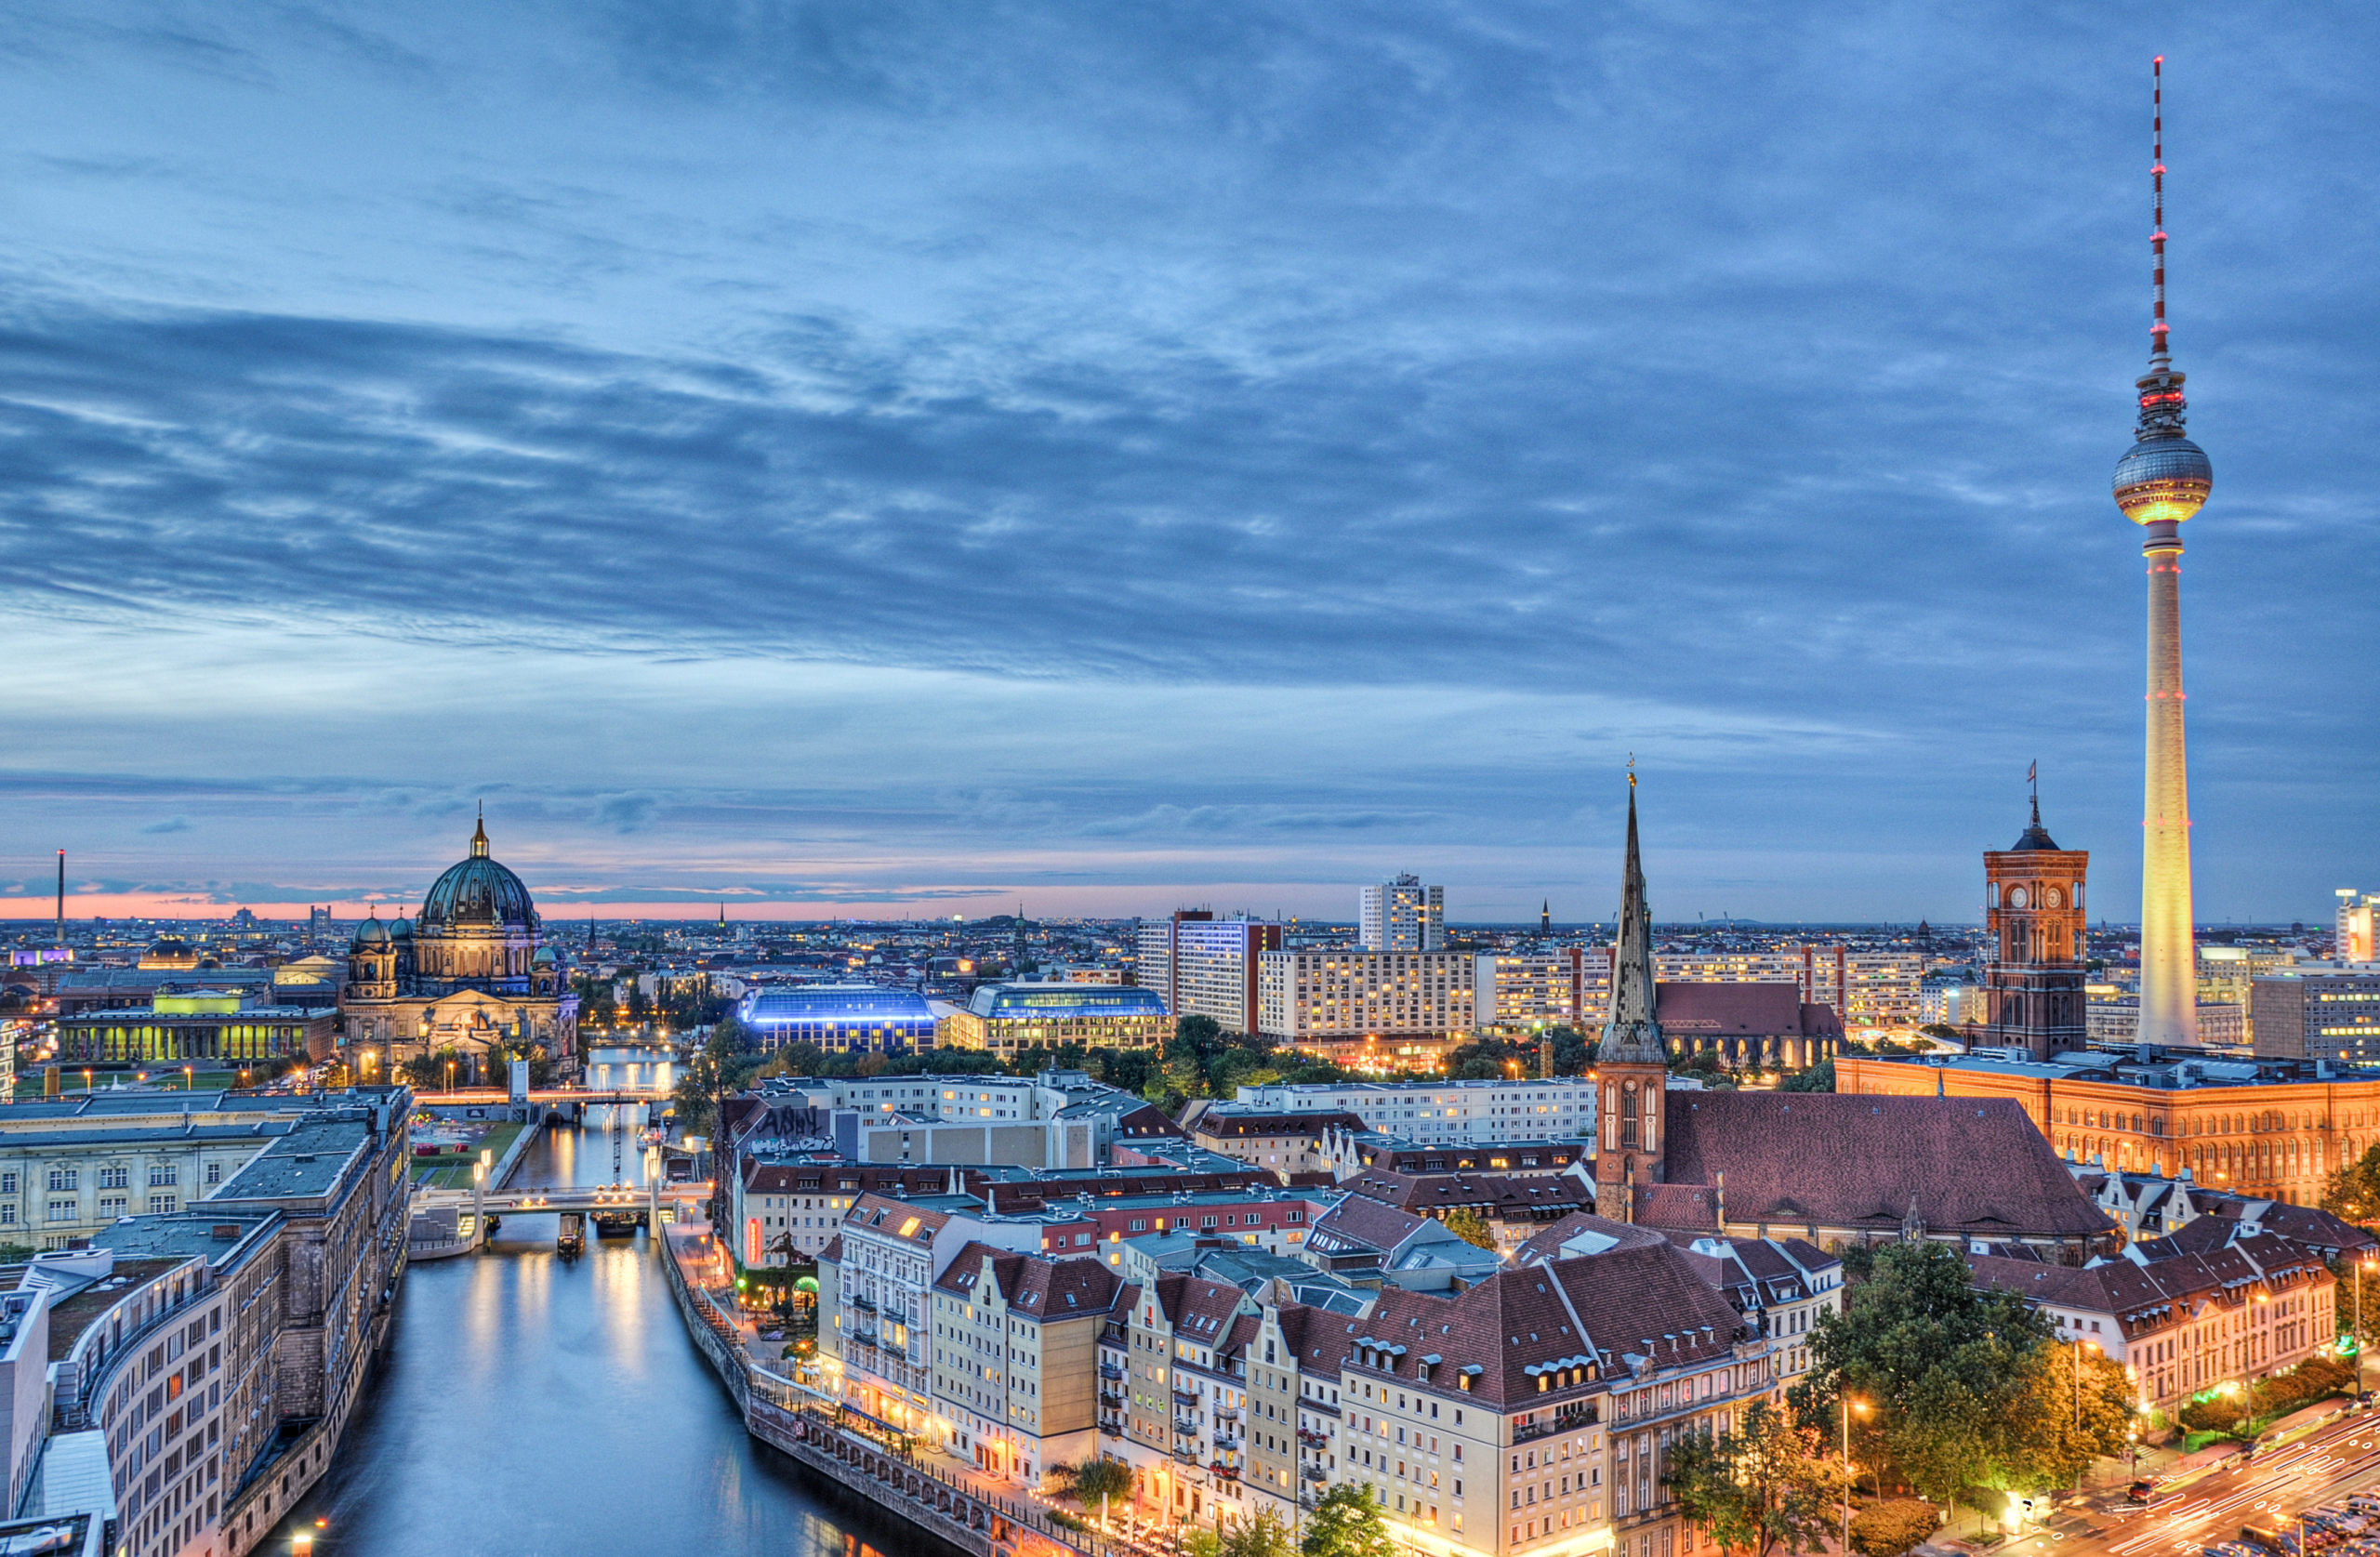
(1632, 1035)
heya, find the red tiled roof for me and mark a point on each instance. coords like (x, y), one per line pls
(1703, 1010)
(1547, 1245)
(1032, 1284)
(1494, 1194)
(1974, 1166)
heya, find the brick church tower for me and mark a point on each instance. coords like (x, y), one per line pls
(1631, 1062)
(2032, 987)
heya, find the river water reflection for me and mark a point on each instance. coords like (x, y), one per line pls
(528, 1407)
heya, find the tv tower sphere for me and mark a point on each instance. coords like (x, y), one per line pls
(2162, 478)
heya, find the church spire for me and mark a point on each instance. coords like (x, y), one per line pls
(1633, 1036)
(479, 834)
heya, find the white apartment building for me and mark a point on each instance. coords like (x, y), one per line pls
(1872, 989)
(1402, 915)
(2358, 917)
(1317, 996)
(1433, 1112)
(1203, 965)
(1542, 990)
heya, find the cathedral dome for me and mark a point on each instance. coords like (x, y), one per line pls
(477, 892)
(371, 932)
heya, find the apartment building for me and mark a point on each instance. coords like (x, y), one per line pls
(1282, 1143)
(876, 1281)
(786, 1211)
(1015, 1357)
(1571, 986)
(1865, 988)
(2182, 1322)
(1434, 1113)
(1203, 965)
(2317, 1011)
(1186, 1393)
(1337, 997)
(1401, 915)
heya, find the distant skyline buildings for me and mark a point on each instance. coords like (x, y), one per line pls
(1402, 915)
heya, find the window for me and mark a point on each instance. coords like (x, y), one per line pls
(214, 1172)
(59, 1210)
(114, 1177)
(62, 1178)
(160, 1174)
(112, 1204)
(160, 1204)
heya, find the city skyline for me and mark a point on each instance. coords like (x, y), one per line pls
(874, 495)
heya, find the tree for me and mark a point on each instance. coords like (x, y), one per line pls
(1817, 1078)
(2353, 1191)
(1197, 1033)
(1259, 1534)
(1767, 1485)
(1096, 1478)
(1889, 1528)
(1470, 1226)
(1346, 1523)
(1945, 1371)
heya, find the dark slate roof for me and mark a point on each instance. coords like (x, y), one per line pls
(1493, 1194)
(1973, 1165)
(1224, 1125)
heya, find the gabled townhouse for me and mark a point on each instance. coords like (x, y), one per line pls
(1015, 1357)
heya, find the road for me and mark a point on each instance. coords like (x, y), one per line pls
(2271, 1489)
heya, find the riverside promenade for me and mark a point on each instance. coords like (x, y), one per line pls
(860, 1455)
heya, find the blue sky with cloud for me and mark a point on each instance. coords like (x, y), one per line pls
(915, 455)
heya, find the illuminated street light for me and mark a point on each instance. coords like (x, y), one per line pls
(1849, 1406)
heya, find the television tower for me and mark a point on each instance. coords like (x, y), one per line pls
(2164, 481)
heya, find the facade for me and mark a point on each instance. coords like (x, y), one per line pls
(1571, 986)
(1015, 1359)
(2353, 927)
(1282, 1143)
(1186, 1392)
(1402, 915)
(2317, 1014)
(217, 1030)
(223, 1373)
(2159, 485)
(1002, 1019)
(2269, 1128)
(1202, 966)
(469, 972)
(784, 1212)
(1764, 1026)
(2183, 1323)
(840, 1017)
(1306, 997)
(1866, 988)
(1432, 1113)
(1516, 1210)
(2033, 995)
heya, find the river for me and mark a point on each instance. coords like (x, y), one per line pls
(536, 1408)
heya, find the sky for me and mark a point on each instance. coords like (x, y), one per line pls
(912, 459)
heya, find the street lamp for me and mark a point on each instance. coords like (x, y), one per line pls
(1849, 1406)
(2360, 1266)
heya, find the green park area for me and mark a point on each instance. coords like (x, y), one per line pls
(452, 1170)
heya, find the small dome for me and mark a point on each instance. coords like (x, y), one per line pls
(400, 928)
(545, 955)
(371, 932)
(2163, 478)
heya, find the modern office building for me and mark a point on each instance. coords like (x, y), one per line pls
(1402, 915)
(1335, 997)
(1202, 966)
(1002, 1019)
(2353, 927)
(2316, 1013)
(841, 1017)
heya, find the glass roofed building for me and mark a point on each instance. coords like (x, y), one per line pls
(1005, 1018)
(840, 1017)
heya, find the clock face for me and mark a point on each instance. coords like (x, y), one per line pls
(2016, 897)
(2052, 897)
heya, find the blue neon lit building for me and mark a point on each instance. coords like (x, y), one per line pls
(840, 1017)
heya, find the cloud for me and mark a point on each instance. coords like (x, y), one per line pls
(171, 825)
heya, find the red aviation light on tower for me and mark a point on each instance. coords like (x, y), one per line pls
(2166, 478)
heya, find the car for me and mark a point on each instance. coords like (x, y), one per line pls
(2140, 1491)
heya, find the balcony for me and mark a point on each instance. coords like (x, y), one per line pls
(1182, 1391)
(865, 1305)
(864, 1338)
(1311, 1439)
(1312, 1473)
(1227, 1413)
(1111, 1370)
(1228, 1473)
